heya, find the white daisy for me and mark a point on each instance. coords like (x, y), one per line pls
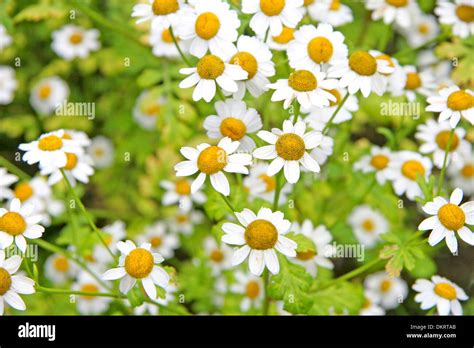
(148, 107)
(183, 223)
(257, 237)
(11, 285)
(102, 151)
(5, 39)
(6, 180)
(219, 255)
(138, 263)
(48, 94)
(180, 192)
(209, 25)
(252, 289)
(325, 149)
(89, 304)
(73, 41)
(393, 11)
(160, 239)
(362, 71)
(460, 15)
(403, 170)
(78, 136)
(58, 269)
(330, 11)
(235, 121)
(212, 70)
(272, 15)
(439, 292)
(256, 59)
(422, 29)
(316, 48)
(8, 84)
(260, 185)
(452, 103)
(321, 237)
(78, 168)
(113, 234)
(309, 88)
(447, 219)
(462, 172)
(162, 13)
(395, 80)
(435, 137)
(368, 224)
(16, 223)
(288, 149)
(377, 161)
(371, 307)
(386, 290)
(280, 42)
(416, 82)
(212, 161)
(163, 45)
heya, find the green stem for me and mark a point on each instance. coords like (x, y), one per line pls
(341, 104)
(228, 203)
(276, 198)
(180, 51)
(13, 169)
(445, 161)
(266, 300)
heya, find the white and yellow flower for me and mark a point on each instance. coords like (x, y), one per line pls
(447, 219)
(234, 120)
(72, 41)
(180, 192)
(8, 84)
(219, 255)
(6, 180)
(252, 289)
(439, 292)
(460, 15)
(376, 162)
(102, 151)
(368, 224)
(48, 94)
(212, 161)
(90, 304)
(161, 13)
(388, 291)
(258, 236)
(163, 45)
(422, 29)
(280, 42)
(393, 11)
(259, 184)
(148, 108)
(452, 103)
(58, 269)
(462, 172)
(160, 239)
(332, 12)
(416, 82)
(371, 306)
(184, 222)
(78, 168)
(78, 136)
(288, 149)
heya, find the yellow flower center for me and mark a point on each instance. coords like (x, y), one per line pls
(465, 13)
(44, 91)
(233, 128)
(212, 160)
(385, 285)
(210, 67)
(181, 219)
(217, 255)
(305, 255)
(397, 3)
(61, 264)
(442, 140)
(368, 225)
(166, 36)
(460, 100)
(413, 81)
(423, 28)
(108, 239)
(156, 241)
(252, 290)
(139, 263)
(182, 187)
(467, 171)
(270, 182)
(247, 62)
(153, 109)
(303, 81)
(164, 7)
(290, 147)
(5, 281)
(320, 49)
(76, 38)
(261, 235)
(71, 161)
(308, 2)
(446, 291)
(23, 191)
(272, 7)
(451, 216)
(335, 93)
(50, 143)
(12, 223)
(363, 63)
(411, 168)
(89, 287)
(207, 25)
(335, 5)
(286, 35)
(379, 162)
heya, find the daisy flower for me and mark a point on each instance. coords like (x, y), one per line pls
(8, 84)
(423, 28)
(388, 291)
(11, 285)
(48, 94)
(6, 180)
(393, 11)
(439, 292)
(209, 25)
(376, 162)
(280, 42)
(148, 107)
(219, 255)
(78, 168)
(460, 15)
(138, 263)
(88, 304)
(163, 45)
(180, 192)
(234, 120)
(416, 82)
(252, 289)
(5, 39)
(212, 70)
(272, 15)
(288, 149)
(184, 223)
(452, 103)
(162, 13)
(447, 219)
(161, 242)
(212, 161)
(16, 223)
(50, 150)
(435, 136)
(73, 41)
(255, 58)
(58, 269)
(113, 234)
(78, 136)
(462, 172)
(371, 307)
(362, 71)
(325, 149)
(101, 151)
(330, 11)
(309, 88)
(395, 80)
(403, 170)
(257, 237)
(260, 185)
(321, 237)
(316, 48)
(368, 224)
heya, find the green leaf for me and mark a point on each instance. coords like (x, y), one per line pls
(39, 12)
(401, 255)
(342, 298)
(304, 243)
(148, 78)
